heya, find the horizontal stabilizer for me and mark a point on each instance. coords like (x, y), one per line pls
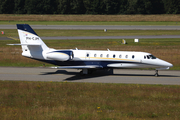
(79, 67)
(32, 44)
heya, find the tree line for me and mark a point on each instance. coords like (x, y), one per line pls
(90, 7)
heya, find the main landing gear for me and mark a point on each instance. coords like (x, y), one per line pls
(86, 71)
(156, 73)
(98, 71)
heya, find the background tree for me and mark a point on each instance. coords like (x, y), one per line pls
(89, 6)
(64, 7)
(77, 7)
(112, 6)
(7, 6)
(157, 7)
(123, 6)
(172, 6)
(19, 6)
(131, 9)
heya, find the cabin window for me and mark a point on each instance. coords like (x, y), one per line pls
(114, 56)
(87, 55)
(101, 55)
(107, 55)
(144, 57)
(95, 55)
(120, 56)
(126, 56)
(133, 56)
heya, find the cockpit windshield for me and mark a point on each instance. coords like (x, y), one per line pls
(149, 57)
(152, 57)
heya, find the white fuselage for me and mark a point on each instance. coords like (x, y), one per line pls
(112, 59)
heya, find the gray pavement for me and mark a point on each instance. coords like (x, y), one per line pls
(98, 27)
(5, 38)
(100, 37)
(127, 76)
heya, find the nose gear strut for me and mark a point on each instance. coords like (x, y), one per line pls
(156, 73)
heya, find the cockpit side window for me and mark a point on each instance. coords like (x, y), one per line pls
(152, 57)
(149, 57)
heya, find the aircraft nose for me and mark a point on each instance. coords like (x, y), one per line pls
(167, 64)
(170, 65)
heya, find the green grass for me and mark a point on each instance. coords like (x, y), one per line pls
(87, 101)
(13, 33)
(111, 43)
(85, 23)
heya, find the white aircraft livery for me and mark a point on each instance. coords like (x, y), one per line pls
(87, 60)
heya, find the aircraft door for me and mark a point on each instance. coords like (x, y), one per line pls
(140, 59)
(71, 56)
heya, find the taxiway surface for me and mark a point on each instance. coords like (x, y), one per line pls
(127, 76)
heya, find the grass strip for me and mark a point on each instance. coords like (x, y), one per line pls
(85, 23)
(13, 33)
(90, 18)
(65, 100)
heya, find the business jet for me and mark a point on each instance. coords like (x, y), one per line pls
(87, 60)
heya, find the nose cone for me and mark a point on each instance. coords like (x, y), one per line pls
(170, 65)
(165, 64)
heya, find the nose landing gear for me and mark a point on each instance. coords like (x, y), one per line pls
(156, 73)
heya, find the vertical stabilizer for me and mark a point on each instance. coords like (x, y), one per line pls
(32, 45)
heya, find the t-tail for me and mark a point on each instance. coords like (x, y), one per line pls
(34, 47)
(31, 43)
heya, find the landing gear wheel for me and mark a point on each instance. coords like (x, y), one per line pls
(81, 73)
(90, 71)
(156, 74)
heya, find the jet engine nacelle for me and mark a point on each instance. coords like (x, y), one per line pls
(60, 55)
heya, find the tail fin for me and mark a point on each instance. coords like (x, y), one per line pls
(32, 45)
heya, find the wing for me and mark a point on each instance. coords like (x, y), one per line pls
(79, 67)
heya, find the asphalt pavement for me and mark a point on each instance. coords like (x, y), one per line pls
(100, 37)
(127, 76)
